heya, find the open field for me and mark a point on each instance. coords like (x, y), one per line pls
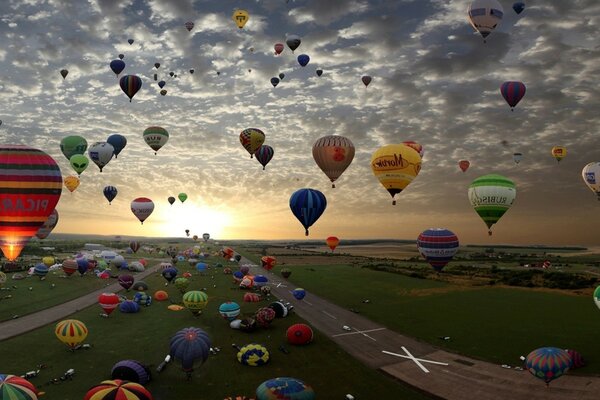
(145, 337)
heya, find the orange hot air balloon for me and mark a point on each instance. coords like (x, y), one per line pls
(464, 165)
(30, 187)
(71, 183)
(332, 242)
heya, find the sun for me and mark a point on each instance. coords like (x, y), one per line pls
(175, 219)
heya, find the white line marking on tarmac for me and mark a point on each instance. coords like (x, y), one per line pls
(310, 304)
(413, 358)
(361, 332)
(329, 315)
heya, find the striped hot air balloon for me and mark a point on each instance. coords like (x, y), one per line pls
(118, 389)
(195, 301)
(14, 387)
(108, 302)
(264, 154)
(30, 187)
(71, 332)
(130, 85)
(491, 196)
(437, 246)
(512, 92)
(548, 363)
(307, 205)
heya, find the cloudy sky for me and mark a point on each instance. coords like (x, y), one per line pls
(434, 82)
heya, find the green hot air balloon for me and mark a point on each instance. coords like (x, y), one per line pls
(491, 196)
(156, 137)
(182, 197)
(72, 145)
(79, 163)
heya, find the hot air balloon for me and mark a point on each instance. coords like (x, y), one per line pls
(205, 236)
(591, 177)
(333, 154)
(48, 225)
(189, 26)
(40, 270)
(293, 41)
(142, 207)
(169, 273)
(464, 165)
(285, 273)
(284, 388)
(252, 139)
(121, 56)
(195, 301)
(253, 355)
(319, 72)
(264, 316)
(395, 165)
(268, 262)
(438, 246)
(48, 261)
(182, 197)
(71, 145)
(69, 267)
(161, 84)
(491, 196)
(240, 17)
(134, 246)
(118, 142)
(229, 310)
(130, 370)
(299, 334)
(597, 297)
(79, 163)
(274, 81)
(307, 205)
(110, 192)
(117, 66)
(519, 6)
(101, 153)
(126, 281)
(71, 332)
(17, 388)
(187, 232)
(130, 85)
(108, 302)
(157, 65)
(156, 137)
(299, 293)
(71, 182)
(559, 152)
(303, 60)
(118, 389)
(366, 79)
(281, 75)
(278, 48)
(30, 184)
(64, 73)
(190, 345)
(485, 15)
(332, 242)
(548, 363)
(512, 92)
(163, 92)
(192, 71)
(416, 146)
(264, 154)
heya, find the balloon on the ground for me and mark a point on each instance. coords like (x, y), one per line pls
(299, 334)
(48, 226)
(126, 281)
(252, 139)
(71, 182)
(307, 205)
(40, 270)
(251, 297)
(395, 166)
(332, 242)
(132, 371)
(491, 196)
(548, 363)
(156, 137)
(130, 85)
(31, 185)
(268, 262)
(253, 355)
(182, 284)
(129, 307)
(189, 346)
(142, 299)
(118, 142)
(299, 293)
(485, 15)
(169, 273)
(161, 295)
(142, 207)
(108, 302)
(284, 388)
(264, 316)
(69, 267)
(79, 163)
(285, 273)
(437, 246)
(229, 310)
(71, 332)
(281, 310)
(333, 154)
(118, 389)
(71, 145)
(195, 301)
(14, 387)
(559, 152)
(577, 360)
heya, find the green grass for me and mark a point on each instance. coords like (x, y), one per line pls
(145, 337)
(495, 324)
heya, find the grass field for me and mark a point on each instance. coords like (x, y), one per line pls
(145, 337)
(495, 324)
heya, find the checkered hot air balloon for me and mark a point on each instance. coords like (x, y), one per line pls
(195, 301)
(252, 139)
(253, 355)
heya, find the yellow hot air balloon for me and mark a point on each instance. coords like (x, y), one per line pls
(240, 17)
(559, 152)
(48, 261)
(395, 165)
(71, 182)
(252, 139)
(71, 332)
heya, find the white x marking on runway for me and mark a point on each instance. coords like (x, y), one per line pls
(416, 360)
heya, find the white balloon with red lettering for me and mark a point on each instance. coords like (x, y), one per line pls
(142, 207)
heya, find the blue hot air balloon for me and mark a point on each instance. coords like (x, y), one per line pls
(548, 363)
(303, 59)
(307, 205)
(188, 346)
(132, 371)
(519, 6)
(118, 142)
(162, 84)
(264, 154)
(110, 192)
(82, 265)
(117, 66)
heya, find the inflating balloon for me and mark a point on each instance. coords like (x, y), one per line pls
(548, 363)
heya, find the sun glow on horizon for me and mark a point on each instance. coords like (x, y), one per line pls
(174, 220)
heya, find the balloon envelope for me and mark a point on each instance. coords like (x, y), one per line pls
(307, 205)
(485, 15)
(274, 81)
(464, 165)
(31, 185)
(491, 196)
(118, 142)
(366, 79)
(332, 242)
(190, 345)
(48, 226)
(303, 60)
(548, 363)
(71, 145)
(240, 17)
(284, 388)
(293, 41)
(278, 48)
(264, 154)
(130, 370)
(110, 192)
(189, 26)
(117, 66)
(591, 177)
(333, 154)
(559, 152)
(142, 207)
(118, 389)
(71, 182)
(395, 166)
(15, 387)
(71, 332)
(252, 139)
(130, 85)
(519, 6)
(512, 92)
(438, 246)
(101, 153)
(156, 137)
(182, 197)
(79, 163)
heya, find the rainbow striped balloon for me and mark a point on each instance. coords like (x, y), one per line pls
(438, 246)
(284, 388)
(16, 388)
(118, 389)
(30, 187)
(548, 363)
(71, 332)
